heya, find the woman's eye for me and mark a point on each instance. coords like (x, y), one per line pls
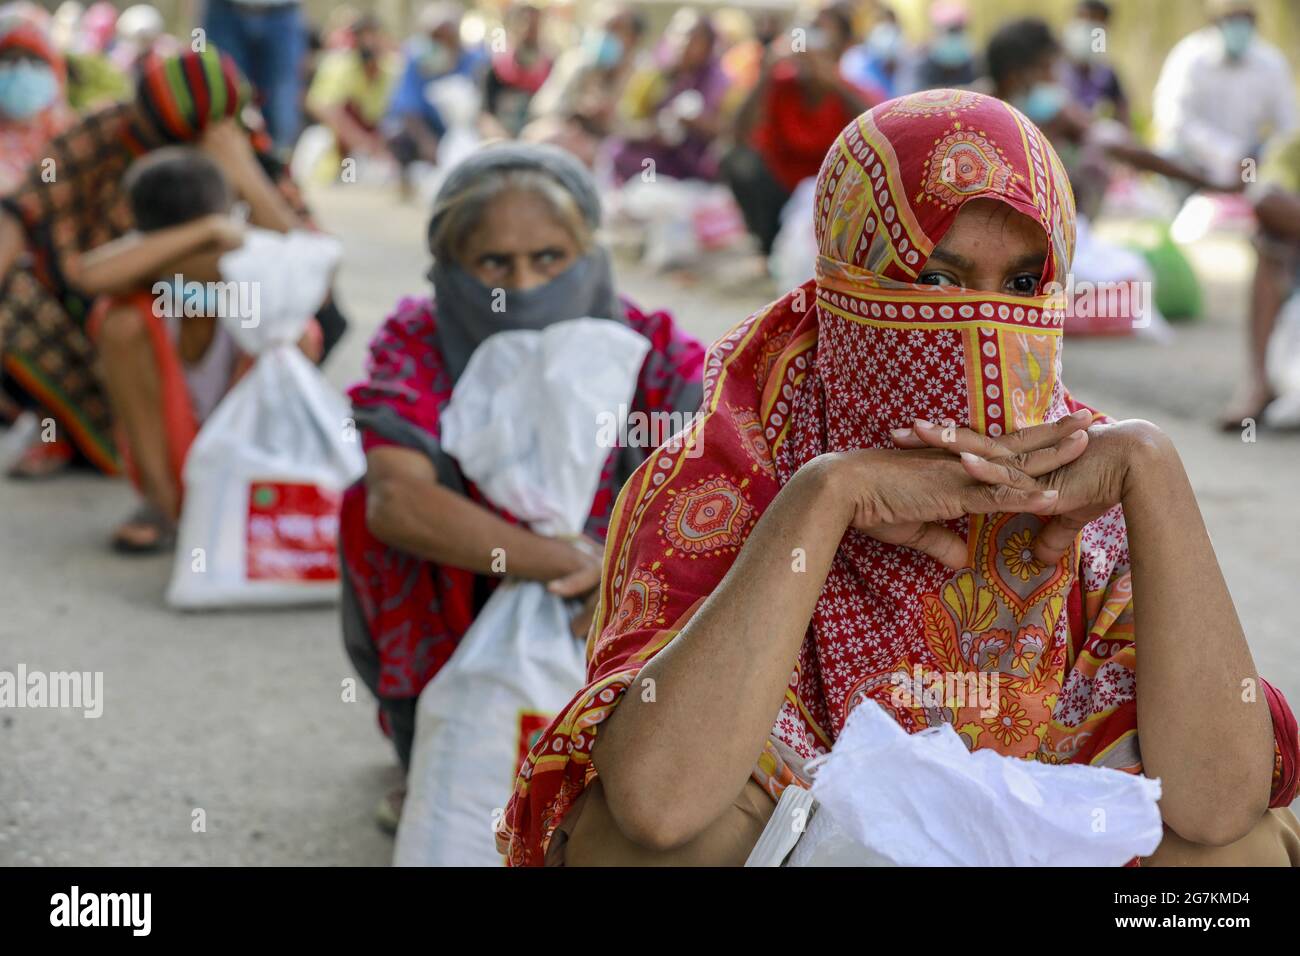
(935, 278)
(548, 257)
(1024, 284)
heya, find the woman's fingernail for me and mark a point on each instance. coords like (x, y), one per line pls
(1082, 415)
(1076, 436)
(922, 423)
(901, 432)
(1050, 495)
(970, 458)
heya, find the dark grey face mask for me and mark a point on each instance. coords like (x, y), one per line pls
(469, 311)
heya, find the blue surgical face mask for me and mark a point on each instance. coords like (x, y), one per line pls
(951, 49)
(26, 88)
(1237, 34)
(605, 48)
(1043, 102)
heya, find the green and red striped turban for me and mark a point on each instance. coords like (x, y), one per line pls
(183, 94)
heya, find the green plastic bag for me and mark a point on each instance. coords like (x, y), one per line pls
(1177, 290)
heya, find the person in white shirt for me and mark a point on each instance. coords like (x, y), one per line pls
(1222, 92)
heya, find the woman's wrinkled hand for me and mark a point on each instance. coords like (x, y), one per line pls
(581, 582)
(901, 496)
(1091, 483)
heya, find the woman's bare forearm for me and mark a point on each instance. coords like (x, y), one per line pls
(1203, 723)
(438, 524)
(671, 765)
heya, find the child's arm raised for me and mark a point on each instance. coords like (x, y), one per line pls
(138, 257)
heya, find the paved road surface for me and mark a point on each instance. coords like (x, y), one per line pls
(241, 714)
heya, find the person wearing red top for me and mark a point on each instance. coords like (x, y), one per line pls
(790, 118)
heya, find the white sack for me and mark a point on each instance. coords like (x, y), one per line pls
(522, 424)
(888, 797)
(265, 475)
(1284, 368)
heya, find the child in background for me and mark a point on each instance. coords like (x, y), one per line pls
(165, 358)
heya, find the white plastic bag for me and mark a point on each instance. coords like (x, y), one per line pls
(265, 475)
(886, 797)
(794, 251)
(522, 424)
(1284, 368)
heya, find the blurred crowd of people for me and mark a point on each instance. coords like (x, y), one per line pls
(735, 108)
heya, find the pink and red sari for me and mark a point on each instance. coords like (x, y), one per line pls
(834, 365)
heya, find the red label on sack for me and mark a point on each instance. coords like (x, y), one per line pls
(293, 532)
(531, 727)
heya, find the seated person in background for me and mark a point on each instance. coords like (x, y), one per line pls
(576, 107)
(1223, 92)
(882, 60)
(1024, 61)
(47, 291)
(165, 358)
(414, 125)
(351, 88)
(33, 101)
(747, 38)
(1276, 200)
(894, 477)
(416, 540)
(949, 58)
(518, 72)
(672, 113)
(1092, 81)
(789, 120)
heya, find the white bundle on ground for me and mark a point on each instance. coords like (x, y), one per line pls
(266, 473)
(522, 424)
(459, 102)
(681, 219)
(794, 252)
(886, 797)
(1284, 368)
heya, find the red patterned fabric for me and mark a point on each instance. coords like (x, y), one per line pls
(834, 365)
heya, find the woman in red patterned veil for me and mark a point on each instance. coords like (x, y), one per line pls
(890, 487)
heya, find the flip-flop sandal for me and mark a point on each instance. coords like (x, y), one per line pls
(156, 524)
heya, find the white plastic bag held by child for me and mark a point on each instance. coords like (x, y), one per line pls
(887, 798)
(522, 424)
(266, 473)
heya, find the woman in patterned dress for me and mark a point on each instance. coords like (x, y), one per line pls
(896, 482)
(512, 238)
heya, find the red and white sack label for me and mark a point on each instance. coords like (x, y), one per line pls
(293, 532)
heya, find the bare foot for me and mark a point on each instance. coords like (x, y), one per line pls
(1249, 403)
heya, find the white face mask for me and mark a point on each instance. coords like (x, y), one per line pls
(1083, 40)
(885, 41)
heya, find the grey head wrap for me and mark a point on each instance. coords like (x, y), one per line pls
(469, 311)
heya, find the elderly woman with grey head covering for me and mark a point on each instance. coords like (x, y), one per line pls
(513, 242)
